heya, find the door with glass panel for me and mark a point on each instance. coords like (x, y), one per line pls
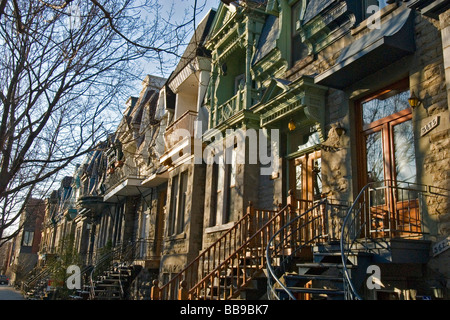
(306, 178)
(306, 181)
(387, 154)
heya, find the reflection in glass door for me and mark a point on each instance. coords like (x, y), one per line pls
(306, 179)
(388, 159)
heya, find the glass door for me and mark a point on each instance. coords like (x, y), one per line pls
(388, 162)
(306, 179)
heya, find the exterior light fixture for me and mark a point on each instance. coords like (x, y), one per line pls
(223, 69)
(413, 101)
(291, 125)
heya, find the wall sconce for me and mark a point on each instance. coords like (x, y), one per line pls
(291, 125)
(413, 101)
(340, 130)
(224, 69)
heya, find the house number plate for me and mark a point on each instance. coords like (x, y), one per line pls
(441, 246)
(429, 126)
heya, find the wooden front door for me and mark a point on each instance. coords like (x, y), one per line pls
(306, 181)
(306, 178)
(387, 159)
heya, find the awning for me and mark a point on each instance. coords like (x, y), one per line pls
(372, 52)
(128, 187)
(301, 100)
(156, 179)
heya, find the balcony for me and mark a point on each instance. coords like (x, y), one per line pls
(177, 137)
(123, 180)
(229, 108)
(234, 109)
(90, 205)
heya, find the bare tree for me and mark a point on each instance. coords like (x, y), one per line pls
(65, 68)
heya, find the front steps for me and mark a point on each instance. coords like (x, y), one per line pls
(322, 277)
(112, 284)
(227, 285)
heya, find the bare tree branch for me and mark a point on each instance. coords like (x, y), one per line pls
(62, 80)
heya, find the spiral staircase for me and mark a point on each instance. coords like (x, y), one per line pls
(314, 250)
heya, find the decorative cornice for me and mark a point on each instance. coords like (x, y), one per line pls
(301, 95)
(327, 27)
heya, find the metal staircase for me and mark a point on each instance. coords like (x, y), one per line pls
(111, 277)
(303, 257)
(384, 227)
(311, 250)
(386, 222)
(114, 283)
(234, 262)
(236, 265)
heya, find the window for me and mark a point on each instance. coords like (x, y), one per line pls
(387, 138)
(173, 208)
(306, 177)
(239, 83)
(182, 201)
(118, 221)
(387, 154)
(27, 240)
(298, 50)
(223, 187)
(178, 203)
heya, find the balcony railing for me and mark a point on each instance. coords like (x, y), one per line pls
(386, 210)
(173, 135)
(235, 104)
(229, 108)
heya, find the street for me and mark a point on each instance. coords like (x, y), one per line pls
(9, 293)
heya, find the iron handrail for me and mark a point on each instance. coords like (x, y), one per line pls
(287, 234)
(355, 215)
(190, 272)
(248, 244)
(123, 252)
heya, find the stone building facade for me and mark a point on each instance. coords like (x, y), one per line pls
(280, 100)
(24, 249)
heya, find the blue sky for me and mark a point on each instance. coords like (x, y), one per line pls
(182, 9)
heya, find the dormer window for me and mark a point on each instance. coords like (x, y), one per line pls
(298, 49)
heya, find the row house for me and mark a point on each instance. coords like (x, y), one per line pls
(299, 150)
(334, 115)
(21, 256)
(135, 183)
(186, 176)
(115, 199)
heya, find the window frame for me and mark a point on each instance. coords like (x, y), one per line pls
(27, 238)
(384, 125)
(177, 209)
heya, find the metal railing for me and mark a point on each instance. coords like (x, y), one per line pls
(125, 253)
(311, 223)
(382, 210)
(212, 257)
(234, 273)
